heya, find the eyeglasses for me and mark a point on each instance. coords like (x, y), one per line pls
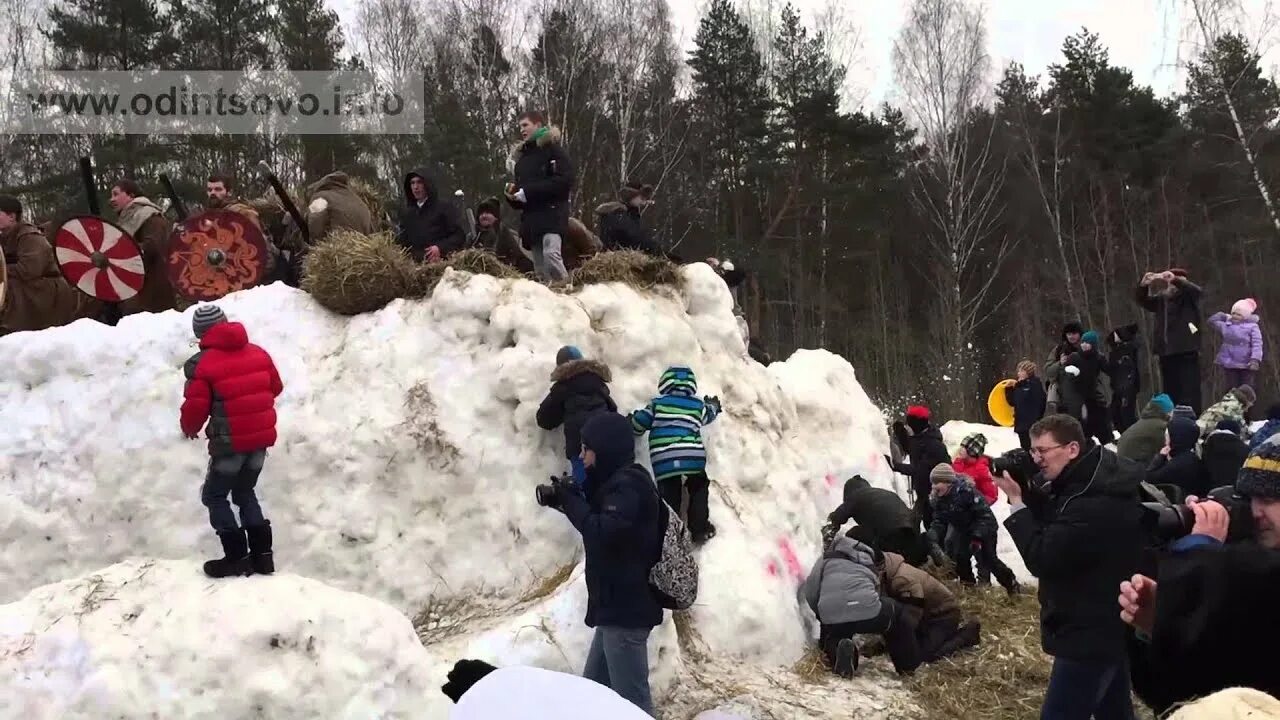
(1039, 452)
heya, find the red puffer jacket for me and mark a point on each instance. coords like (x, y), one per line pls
(979, 469)
(233, 385)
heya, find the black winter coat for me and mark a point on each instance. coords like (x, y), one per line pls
(438, 221)
(542, 169)
(964, 510)
(1223, 454)
(1214, 627)
(620, 518)
(1126, 374)
(578, 390)
(880, 511)
(1088, 384)
(1081, 535)
(1028, 398)
(1174, 318)
(926, 450)
(621, 228)
(1184, 470)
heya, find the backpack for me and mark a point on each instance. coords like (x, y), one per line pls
(674, 577)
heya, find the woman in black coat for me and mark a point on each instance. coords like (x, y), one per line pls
(1028, 398)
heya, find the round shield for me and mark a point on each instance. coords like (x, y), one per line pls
(99, 258)
(216, 253)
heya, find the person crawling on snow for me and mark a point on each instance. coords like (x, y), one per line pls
(579, 389)
(232, 385)
(1235, 405)
(674, 421)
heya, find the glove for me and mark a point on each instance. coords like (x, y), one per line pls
(464, 674)
(1253, 365)
(1072, 370)
(713, 401)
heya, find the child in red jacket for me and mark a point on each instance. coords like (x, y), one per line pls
(977, 466)
(232, 385)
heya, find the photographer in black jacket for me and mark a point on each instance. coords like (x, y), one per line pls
(1208, 622)
(1078, 528)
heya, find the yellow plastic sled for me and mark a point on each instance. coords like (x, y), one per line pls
(998, 406)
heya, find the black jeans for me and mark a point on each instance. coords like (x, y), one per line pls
(1181, 376)
(934, 633)
(699, 486)
(1124, 410)
(1097, 423)
(899, 635)
(234, 476)
(1024, 438)
(988, 560)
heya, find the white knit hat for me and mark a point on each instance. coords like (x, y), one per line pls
(1245, 308)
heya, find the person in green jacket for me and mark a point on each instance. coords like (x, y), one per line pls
(1142, 441)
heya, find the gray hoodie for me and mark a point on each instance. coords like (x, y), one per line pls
(844, 585)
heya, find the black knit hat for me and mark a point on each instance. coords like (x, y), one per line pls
(11, 205)
(1260, 476)
(491, 206)
(1072, 328)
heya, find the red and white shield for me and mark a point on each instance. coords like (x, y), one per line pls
(99, 258)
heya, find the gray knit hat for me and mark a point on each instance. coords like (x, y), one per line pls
(206, 317)
(942, 473)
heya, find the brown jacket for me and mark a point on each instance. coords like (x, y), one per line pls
(147, 225)
(333, 205)
(36, 294)
(580, 244)
(505, 243)
(914, 586)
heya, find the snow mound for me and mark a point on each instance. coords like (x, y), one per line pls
(157, 639)
(408, 454)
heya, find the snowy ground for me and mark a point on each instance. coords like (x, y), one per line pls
(146, 639)
(408, 454)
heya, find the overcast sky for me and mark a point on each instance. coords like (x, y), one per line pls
(1142, 35)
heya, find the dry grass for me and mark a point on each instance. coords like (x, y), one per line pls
(372, 200)
(633, 268)
(550, 583)
(444, 618)
(352, 273)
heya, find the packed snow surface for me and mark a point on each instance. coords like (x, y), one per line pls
(148, 639)
(407, 458)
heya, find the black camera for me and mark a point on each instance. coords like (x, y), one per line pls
(1017, 463)
(548, 495)
(1169, 522)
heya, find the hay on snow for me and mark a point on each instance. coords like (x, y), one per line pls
(630, 267)
(352, 273)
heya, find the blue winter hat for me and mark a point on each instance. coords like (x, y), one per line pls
(1164, 402)
(1183, 434)
(568, 353)
(1090, 337)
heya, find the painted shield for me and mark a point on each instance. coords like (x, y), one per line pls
(99, 258)
(216, 253)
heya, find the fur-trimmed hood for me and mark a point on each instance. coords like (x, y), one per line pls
(333, 181)
(574, 368)
(610, 207)
(552, 137)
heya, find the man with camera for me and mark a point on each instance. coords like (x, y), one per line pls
(617, 512)
(1076, 523)
(1207, 624)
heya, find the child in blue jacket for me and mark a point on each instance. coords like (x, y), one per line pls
(674, 422)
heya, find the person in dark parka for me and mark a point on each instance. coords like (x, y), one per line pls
(579, 389)
(620, 517)
(1084, 370)
(1143, 440)
(543, 181)
(494, 236)
(1028, 398)
(1174, 301)
(1078, 528)
(431, 225)
(958, 508)
(1054, 377)
(621, 226)
(1177, 463)
(1126, 376)
(885, 521)
(923, 445)
(1223, 454)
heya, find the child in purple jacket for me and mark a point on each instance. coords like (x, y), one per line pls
(1241, 352)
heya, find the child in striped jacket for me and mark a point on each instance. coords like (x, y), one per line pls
(674, 422)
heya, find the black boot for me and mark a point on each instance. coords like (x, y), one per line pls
(260, 549)
(845, 663)
(236, 560)
(703, 534)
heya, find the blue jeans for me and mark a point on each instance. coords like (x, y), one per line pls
(234, 476)
(619, 659)
(1081, 690)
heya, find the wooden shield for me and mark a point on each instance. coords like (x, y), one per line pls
(215, 253)
(99, 258)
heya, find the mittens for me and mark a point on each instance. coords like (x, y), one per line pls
(1072, 370)
(464, 674)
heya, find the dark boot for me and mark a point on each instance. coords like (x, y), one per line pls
(703, 534)
(236, 561)
(260, 549)
(846, 660)
(966, 637)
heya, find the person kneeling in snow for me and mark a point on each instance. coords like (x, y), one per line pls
(930, 607)
(674, 421)
(578, 391)
(618, 513)
(481, 691)
(232, 384)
